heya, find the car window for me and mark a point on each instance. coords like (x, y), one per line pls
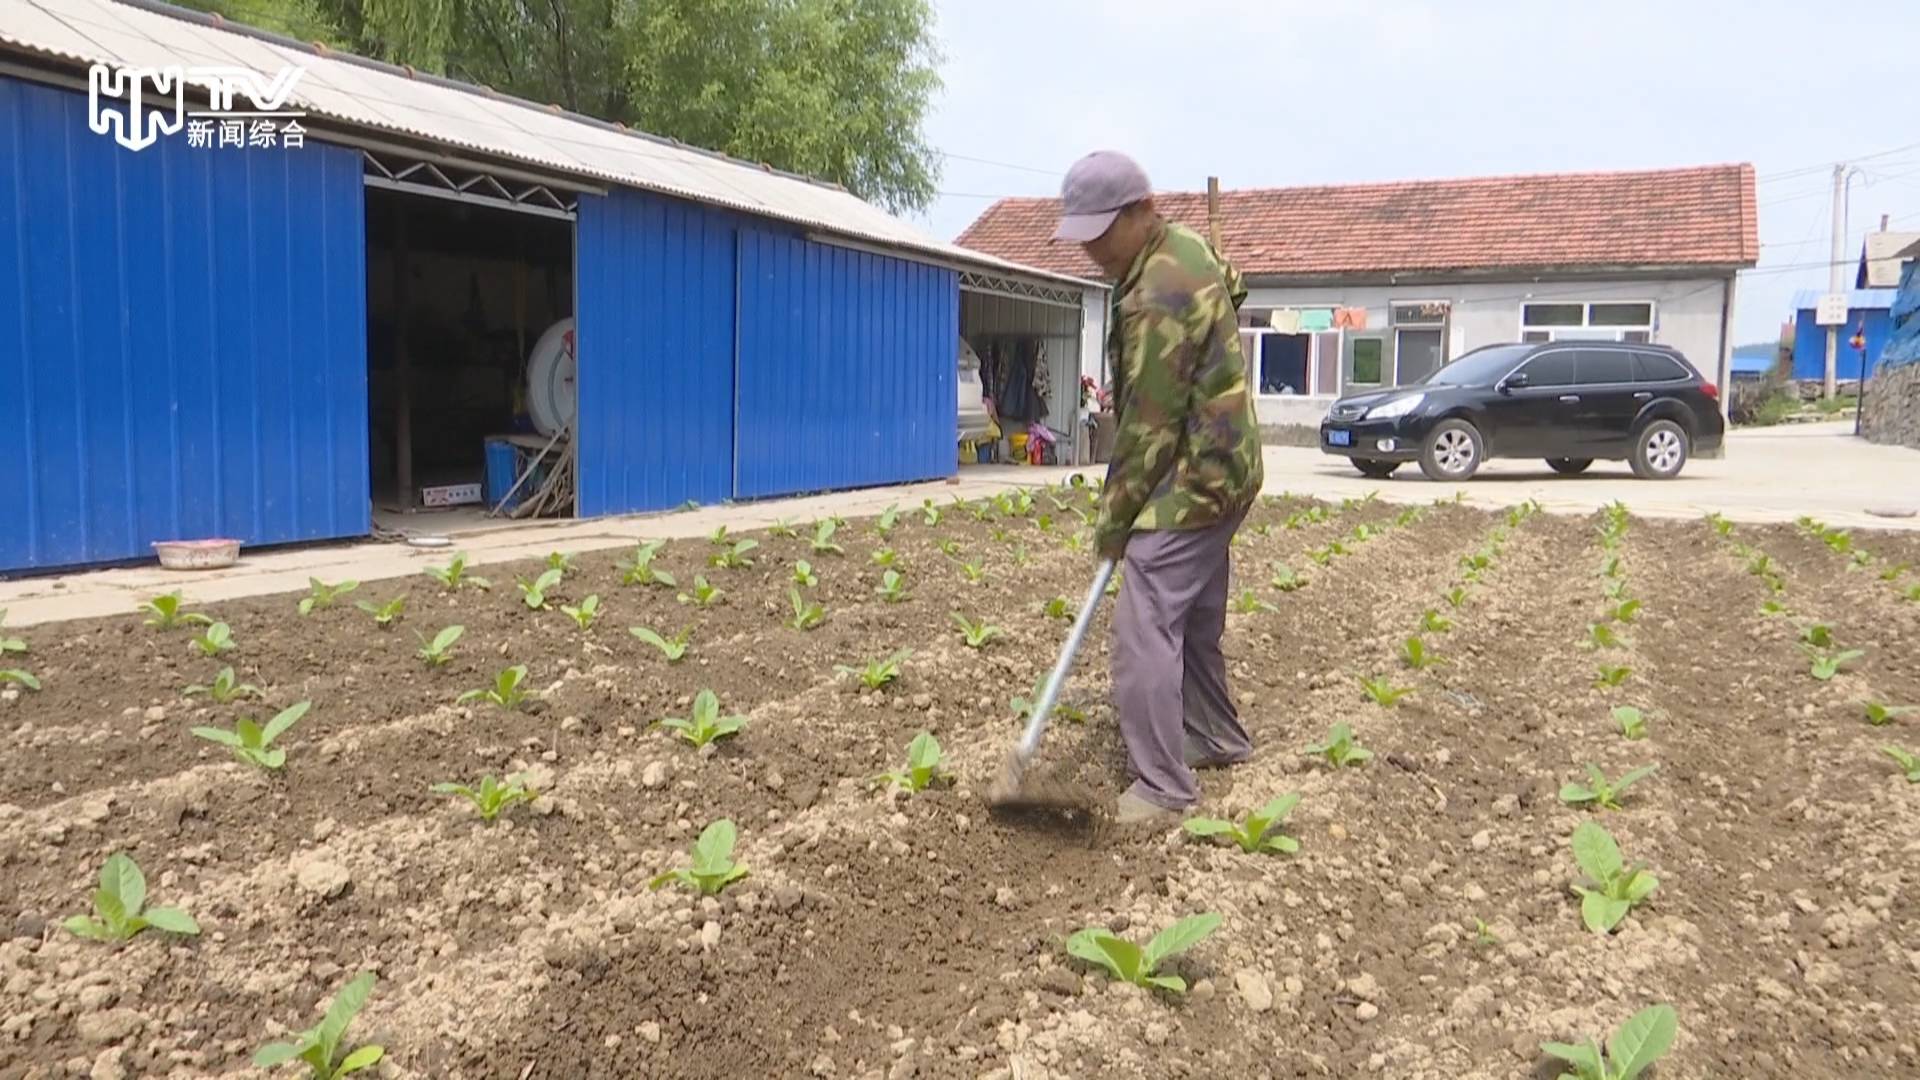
(1602, 366)
(1653, 367)
(1550, 369)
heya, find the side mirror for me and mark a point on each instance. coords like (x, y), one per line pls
(1515, 381)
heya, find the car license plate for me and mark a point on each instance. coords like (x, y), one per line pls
(1336, 437)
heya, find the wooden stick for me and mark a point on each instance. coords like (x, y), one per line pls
(1213, 212)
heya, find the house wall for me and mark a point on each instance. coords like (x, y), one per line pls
(1687, 315)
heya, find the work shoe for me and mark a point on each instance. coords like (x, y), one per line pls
(1134, 810)
(1197, 756)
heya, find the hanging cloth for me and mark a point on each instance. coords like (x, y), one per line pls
(1285, 320)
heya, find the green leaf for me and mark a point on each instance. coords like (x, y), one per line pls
(345, 1004)
(224, 738)
(1180, 937)
(1208, 827)
(364, 1057)
(171, 920)
(1602, 913)
(274, 1054)
(1596, 852)
(284, 720)
(112, 911)
(1642, 1040)
(1584, 1056)
(1576, 794)
(121, 877)
(1116, 954)
(1281, 843)
(1173, 983)
(89, 928)
(714, 849)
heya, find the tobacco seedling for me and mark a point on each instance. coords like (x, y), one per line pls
(639, 569)
(1249, 602)
(807, 614)
(1720, 525)
(1408, 516)
(930, 512)
(1772, 608)
(877, 673)
(1020, 556)
(214, 640)
(1908, 762)
(976, 634)
(950, 548)
(1760, 564)
(1860, 561)
(384, 615)
(252, 743)
(889, 518)
(673, 648)
(224, 689)
(803, 574)
(713, 867)
(1600, 791)
(507, 691)
(706, 724)
(317, 1046)
(585, 613)
(163, 613)
(1261, 831)
(892, 587)
(8, 645)
(1340, 748)
(885, 556)
(734, 557)
(1483, 934)
(119, 906)
(561, 561)
(11, 676)
(1602, 636)
(455, 577)
(1324, 555)
(1828, 664)
(1641, 1041)
(703, 594)
(1478, 561)
(492, 797)
(1457, 597)
(823, 539)
(322, 595)
(439, 650)
(534, 593)
(1611, 888)
(1416, 654)
(1044, 523)
(1023, 704)
(923, 765)
(1286, 579)
(1383, 693)
(1077, 541)
(1612, 676)
(1632, 723)
(1130, 963)
(718, 537)
(1881, 715)
(1432, 622)
(1912, 594)
(1893, 573)
(1056, 608)
(1625, 611)
(783, 529)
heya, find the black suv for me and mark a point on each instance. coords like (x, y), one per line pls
(1568, 402)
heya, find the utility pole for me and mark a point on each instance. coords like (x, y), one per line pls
(1835, 279)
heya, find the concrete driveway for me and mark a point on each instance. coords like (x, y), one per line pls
(1768, 475)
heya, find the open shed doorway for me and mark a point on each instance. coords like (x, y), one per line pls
(1028, 345)
(459, 298)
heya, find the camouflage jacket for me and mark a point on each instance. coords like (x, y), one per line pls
(1186, 452)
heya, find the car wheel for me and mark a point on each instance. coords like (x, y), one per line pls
(1452, 451)
(1660, 451)
(1569, 466)
(1375, 470)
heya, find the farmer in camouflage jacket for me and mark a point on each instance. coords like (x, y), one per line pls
(1185, 470)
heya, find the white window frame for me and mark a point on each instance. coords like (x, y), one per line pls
(1312, 388)
(1586, 331)
(1444, 325)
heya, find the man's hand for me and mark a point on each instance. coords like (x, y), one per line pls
(1111, 543)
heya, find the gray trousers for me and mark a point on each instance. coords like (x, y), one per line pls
(1169, 675)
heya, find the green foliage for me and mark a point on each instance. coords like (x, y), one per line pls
(1483, 934)
(1383, 693)
(803, 574)
(822, 542)
(713, 867)
(1828, 662)
(252, 743)
(1249, 602)
(703, 594)
(1894, 572)
(1600, 791)
(585, 613)
(807, 614)
(1611, 675)
(877, 673)
(1024, 704)
(1417, 656)
(1602, 636)
(319, 1046)
(1340, 748)
(1285, 579)
(888, 520)
(508, 690)
(1056, 608)
(439, 650)
(561, 561)
(7, 644)
(1624, 611)
(1771, 608)
(1632, 723)
(1610, 567)
(385, 615)
(1130, 963)
(1881, 715)
(492, 797)
(719, 537)
(1859, 561)
(1720, 525)
(674, 649)
(1457, 597)
(119, 906)
(1641, 1041)
(322, 595)
(1407, 516)
(976, 634)
(950, 548)
(1611, 888)
(1912, 594)
(930, 512)
(639, 569)
(1478, 560)
(923, 765)
(706, 724)
(1909, 763)
(214, 640)
(735, 556)
(164, 613)
(885, 556)
(893, 587)
(783, 529)
(224, 689)
(18, 676)
(534, 593)
(1261, 830)
(975, 571)
(1432, 622)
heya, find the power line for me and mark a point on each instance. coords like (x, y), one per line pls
(1808, 170)
(1002, 164)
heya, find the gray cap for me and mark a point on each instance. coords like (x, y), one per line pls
(1096, 189)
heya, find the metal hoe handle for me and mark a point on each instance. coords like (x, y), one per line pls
(1037, 724)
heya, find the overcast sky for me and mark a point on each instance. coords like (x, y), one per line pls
(1282, 92)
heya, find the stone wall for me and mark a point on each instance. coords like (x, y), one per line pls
(1891, 413)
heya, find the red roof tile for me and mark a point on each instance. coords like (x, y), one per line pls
(1659, 218)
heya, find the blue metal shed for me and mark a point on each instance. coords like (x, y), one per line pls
(1867, 310)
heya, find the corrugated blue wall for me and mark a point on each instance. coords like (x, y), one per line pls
(844, 374)
(655, 348)
(182, 340)
(848, 368)
(1810, 344)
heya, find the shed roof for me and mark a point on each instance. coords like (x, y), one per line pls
(377, 97)
(1857, 299)
(1881, 256)
(1667, 218)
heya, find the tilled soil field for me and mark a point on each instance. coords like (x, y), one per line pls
(1427, 926)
